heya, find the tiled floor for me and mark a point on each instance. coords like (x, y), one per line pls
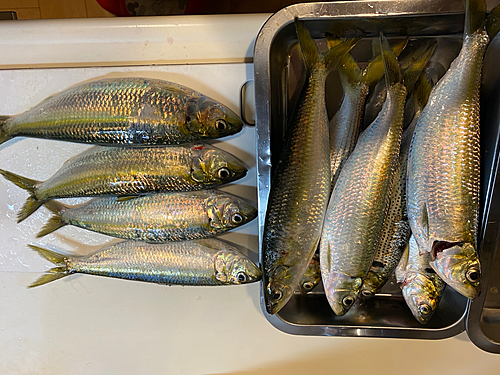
(34, 9)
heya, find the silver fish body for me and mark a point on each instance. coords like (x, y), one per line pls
(422, 288)
(443, 169)
(132, 170)
(153, 218)
(125, 111)
(358, 203)
(199, 262)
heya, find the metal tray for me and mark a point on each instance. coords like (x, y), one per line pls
(279, 78)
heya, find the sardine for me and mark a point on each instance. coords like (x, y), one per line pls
(443, 164)
(153, 218)
(301, 183)
(124, 111)
(200, 262)
(345, 124)
(422, 288)
(358, 202)
(312, 276)
(395, 231)
(131, 171)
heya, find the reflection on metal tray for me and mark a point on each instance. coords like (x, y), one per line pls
(279, 77)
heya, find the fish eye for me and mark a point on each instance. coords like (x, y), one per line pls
(348, 301)
(367, 293)
(237, 218)
(220, 125)
(308, 285)
(241, 277)
(223, 173)
(473, 275)
(424, 309)
(277, 295)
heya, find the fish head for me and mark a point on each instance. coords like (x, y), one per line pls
(208, 119)
(458, 265)
(210, 165)
(279, 290)
(341, 291)
(422, 295)
(311, 277)
(228, 211)
(232, 267)
(371, 284)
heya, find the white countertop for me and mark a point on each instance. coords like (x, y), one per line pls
(95, 325)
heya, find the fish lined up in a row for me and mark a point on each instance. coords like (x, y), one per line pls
(442, 189)
(149, 193)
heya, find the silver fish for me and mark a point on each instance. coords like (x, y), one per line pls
(422, 288)
(443, 164)
(358, 202)
(124, 111)
(159, 217)
(131, 170)
(312, 277)
(200, 262)
(301, 183)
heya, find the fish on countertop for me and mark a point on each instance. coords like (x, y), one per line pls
(155, 218)
(130, 171)
(422, 288)
(443, 164)
(358, 203)
(300, 186)
(124, 111)
(198, 262)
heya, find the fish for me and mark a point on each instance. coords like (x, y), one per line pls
(422, 288)
(124, 111)
(345, 124)
(155, 218)
(311, 277)
(300, 186)
(198, 262)
(120, 171)
(358, 203)
(395, 231)
(443, 163)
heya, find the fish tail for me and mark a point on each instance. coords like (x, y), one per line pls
(54, 273)
(375, 68)
(391, 66)
(422, 90)
(493, 22)
(4, 136)
(32, 203)
(475, 11)
(310, 50)
(55, 222)
(414, 70)
(348, 68)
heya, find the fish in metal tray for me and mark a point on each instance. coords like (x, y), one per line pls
(422, 288)
(300, 185)
(312, 276)
(198, 262)
(132, 170)
(124, 111)
(443, 163)
(357, 206)
(153, 218)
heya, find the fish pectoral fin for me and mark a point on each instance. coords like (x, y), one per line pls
(425, 221)
(126, 198)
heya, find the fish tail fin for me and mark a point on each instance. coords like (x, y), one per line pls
(391, 66)
(54, 273)
(348, 68)
(422, 91)
(310, 50)
(493, 22)
(414, 70)
(4, 136)
(375, 68)
(475, 11)
(32, 203)
(55, 222)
